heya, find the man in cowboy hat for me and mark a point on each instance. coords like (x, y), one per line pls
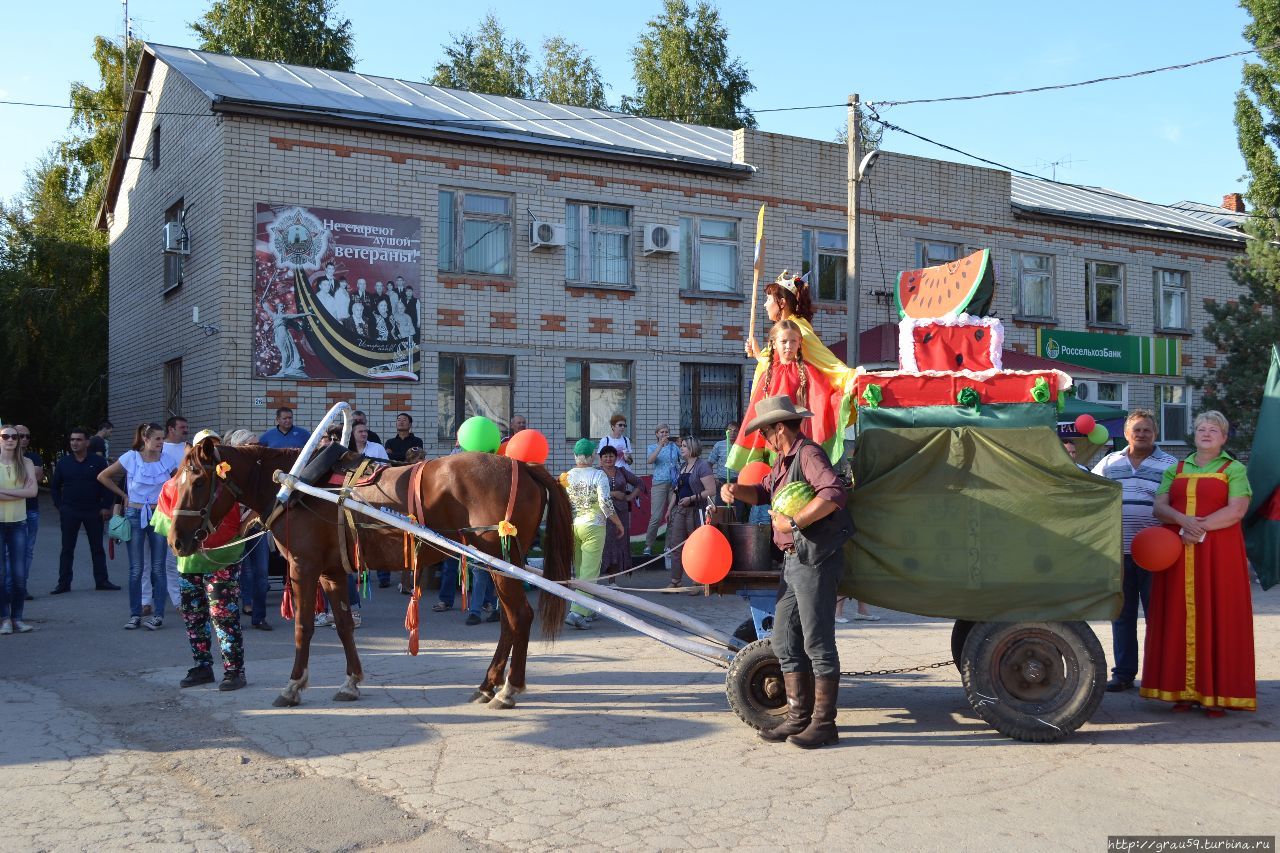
(804, 619)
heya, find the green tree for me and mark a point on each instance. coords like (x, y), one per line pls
(568, 75)
(96, 114)
(1246, 328)
(486, 61)
(683, 71)
(301, 32)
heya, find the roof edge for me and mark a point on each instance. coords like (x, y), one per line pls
(120, 160)
(1055, 215)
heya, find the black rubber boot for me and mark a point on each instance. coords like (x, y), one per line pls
(822, 728)
(799, 686)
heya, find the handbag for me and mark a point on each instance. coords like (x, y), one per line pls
(119, 529)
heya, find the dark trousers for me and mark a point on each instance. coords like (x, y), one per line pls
(1124, 630)
(91, 520)
(804, 621)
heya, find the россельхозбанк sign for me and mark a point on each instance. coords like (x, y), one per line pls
(1112, 353)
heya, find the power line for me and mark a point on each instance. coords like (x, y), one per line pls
(1095, 190)
(1180, 66)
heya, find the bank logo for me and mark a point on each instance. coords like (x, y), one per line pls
(298, 238)
(1051, 349)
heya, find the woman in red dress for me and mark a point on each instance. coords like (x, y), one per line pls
(1199, 646)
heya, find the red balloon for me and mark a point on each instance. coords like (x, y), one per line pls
(1085, 424)
(707, 555)
(502, 449)
(1156, 548)
(753, 473)
(528, 445)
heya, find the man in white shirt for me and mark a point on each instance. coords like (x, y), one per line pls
(1139, 469)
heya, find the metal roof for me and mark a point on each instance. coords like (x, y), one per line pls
(1219, 216)
(231, 81)
(1108, 207)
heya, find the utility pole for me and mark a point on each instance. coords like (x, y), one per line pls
(852, 291)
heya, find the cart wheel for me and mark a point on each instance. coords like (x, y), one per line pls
(959, 634)
(1033, 681)
(746, 632)
(754, 686)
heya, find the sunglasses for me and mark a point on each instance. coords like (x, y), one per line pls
(9, 436)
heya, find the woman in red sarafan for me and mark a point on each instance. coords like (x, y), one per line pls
(1199, 646)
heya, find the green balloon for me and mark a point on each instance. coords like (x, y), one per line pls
(479, 434)
(1099, 435)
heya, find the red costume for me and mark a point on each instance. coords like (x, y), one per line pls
(1200, 618)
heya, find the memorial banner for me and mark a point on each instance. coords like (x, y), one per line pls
(335, 294)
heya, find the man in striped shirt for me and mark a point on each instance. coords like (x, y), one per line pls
(1138, 469)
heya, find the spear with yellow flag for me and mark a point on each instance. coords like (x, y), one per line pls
(755, 275)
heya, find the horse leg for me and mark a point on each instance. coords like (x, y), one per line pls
(517, 619)
(346, 628)
(304, 625)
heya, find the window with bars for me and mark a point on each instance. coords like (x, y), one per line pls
(1171, 299)
(710, 398)
(595, 391)
(1034, 294)
(827, 252)
(598, 244)
(173, 388)
(1104, 293)
(473, 385)
(475, 233)
(709, 254)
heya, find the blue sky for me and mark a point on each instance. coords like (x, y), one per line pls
(1164, 137)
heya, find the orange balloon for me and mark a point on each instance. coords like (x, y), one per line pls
(707, 555)
(753, 473)
(1156, 549)
(528, 445)
(502, 449)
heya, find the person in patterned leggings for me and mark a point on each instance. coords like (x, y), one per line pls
(214, 597)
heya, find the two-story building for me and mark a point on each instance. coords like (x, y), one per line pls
(283, 235)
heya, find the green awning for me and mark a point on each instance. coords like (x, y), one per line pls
(1073, 408)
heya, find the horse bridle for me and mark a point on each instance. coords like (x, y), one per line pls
(206, 523)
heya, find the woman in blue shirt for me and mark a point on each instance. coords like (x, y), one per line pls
(664, 456)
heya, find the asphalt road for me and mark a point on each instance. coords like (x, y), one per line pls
(620, 744)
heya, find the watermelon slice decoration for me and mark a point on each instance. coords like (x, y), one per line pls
(793, 497)
(965, 285)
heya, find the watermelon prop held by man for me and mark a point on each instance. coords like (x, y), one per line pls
(965, 285)
(793, 497)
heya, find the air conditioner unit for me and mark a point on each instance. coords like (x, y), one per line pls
(175, 239)
(1086, 389)
(661, 238)
(545, 234)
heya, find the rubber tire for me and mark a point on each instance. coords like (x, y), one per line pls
(746, 632)
(1070, 696)
(959, 633)
(752, 666)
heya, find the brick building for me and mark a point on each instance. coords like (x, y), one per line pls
(634, 298)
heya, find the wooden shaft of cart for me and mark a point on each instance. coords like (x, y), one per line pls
(431, 537)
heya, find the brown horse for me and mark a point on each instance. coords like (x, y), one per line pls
(463, 497)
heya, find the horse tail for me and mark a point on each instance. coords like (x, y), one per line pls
(557, 549)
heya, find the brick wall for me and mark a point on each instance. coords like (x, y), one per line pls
(223, 167)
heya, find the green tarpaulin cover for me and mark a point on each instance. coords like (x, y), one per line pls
(982, 524)
(1262, 522)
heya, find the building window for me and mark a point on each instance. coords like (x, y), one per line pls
(930, 253)
(155, 148)
(831, 250)
(1034, 295)
(473, 385)
(1171, 299)
(708, 254)
(475, 233)
(595, 391)
(173, 261)
(598, 244)
(1174, 402)
(173, 388)
(1104, 293)
(710, 397)
(1112, 394)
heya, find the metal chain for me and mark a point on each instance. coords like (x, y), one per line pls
(925, 668)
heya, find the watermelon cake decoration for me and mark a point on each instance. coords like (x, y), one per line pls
(963, 285)
(950, 343)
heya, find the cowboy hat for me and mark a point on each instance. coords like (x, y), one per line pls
(772, 410)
